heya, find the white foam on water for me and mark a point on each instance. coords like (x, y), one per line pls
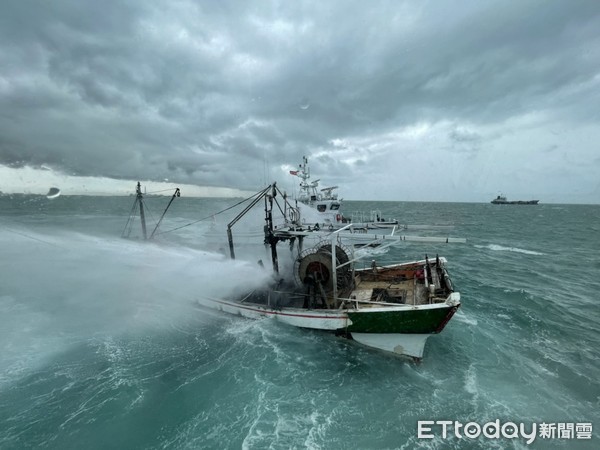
(366, 252)
(260, 427)
(471, 384)
(500, 248)
(318, 429)
(462, 317)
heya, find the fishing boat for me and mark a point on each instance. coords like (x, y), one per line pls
(394, 308)
(501, 200)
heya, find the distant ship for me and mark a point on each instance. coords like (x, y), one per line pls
(501, 200)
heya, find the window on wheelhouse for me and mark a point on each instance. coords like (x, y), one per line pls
(321, 208)
(334, 206)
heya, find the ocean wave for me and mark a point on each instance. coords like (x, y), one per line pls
(500, 248)
(471, 385)
(462, 317)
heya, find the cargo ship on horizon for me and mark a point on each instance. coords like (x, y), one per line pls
(501, 200)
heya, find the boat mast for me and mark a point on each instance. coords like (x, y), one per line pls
(139, 199)
(306, 195)
(270, 238)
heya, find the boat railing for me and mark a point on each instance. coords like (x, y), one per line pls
(344, 300)
(376, 215)
(369, 302)
(358, 217)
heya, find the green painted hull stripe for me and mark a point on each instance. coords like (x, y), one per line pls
(411, 321)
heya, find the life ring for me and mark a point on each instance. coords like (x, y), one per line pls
(338, 217)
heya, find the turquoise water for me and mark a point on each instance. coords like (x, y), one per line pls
(103, 346)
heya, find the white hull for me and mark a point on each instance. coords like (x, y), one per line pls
(322, 319)
(400, 344)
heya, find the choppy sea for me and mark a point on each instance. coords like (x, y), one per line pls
(102, 345)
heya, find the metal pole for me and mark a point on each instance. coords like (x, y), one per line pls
(230, 238)
(333, 265)
(176, 194)
(272, 240)
(142, 216)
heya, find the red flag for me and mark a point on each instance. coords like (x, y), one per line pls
(293, 172)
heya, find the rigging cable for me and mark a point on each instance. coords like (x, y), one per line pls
(163, 190)
(29, 236)
(215, 214)
(129, 223)
(134, 210)
(148, 211)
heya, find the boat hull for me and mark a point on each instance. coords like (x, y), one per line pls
(515, 202)
(426, 319)
(412, 345)
(401, 330)
(317, 319)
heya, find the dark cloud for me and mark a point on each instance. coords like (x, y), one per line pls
(210, 92)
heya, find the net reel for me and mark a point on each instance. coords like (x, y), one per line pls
(314, 266)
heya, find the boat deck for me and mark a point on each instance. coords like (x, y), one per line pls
(372, 288)
(404, 285)
(408, 292)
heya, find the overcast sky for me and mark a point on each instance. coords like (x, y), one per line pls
(400, 100)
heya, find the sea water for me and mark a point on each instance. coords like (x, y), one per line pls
(103, 345)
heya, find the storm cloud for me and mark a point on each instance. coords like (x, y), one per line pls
(466, 98)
